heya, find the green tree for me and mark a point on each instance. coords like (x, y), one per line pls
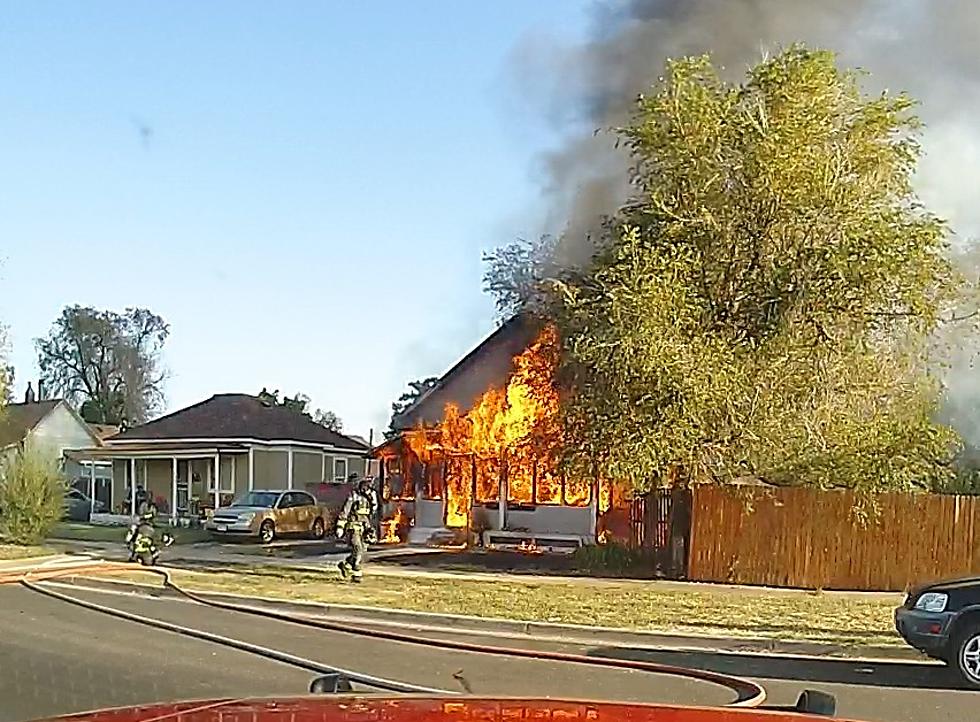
(329, 420)
(107, 363)
(763, 304)
(32, 493)
(300, 403)
(420, 386)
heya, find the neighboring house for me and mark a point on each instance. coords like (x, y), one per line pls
(204, 456)
(56, 426)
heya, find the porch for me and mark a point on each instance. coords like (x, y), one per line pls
(460, 498)
(188, 481)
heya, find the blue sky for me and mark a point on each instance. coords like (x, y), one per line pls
(310, 206)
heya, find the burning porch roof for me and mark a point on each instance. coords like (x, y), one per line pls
(488, 365)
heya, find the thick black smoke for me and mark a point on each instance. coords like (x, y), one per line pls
(924, 47)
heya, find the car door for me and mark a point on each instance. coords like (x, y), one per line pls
(286, 514)
(305, 510)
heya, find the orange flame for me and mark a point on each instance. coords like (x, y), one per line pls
(528, 547)
(513, 432)
(391, 529)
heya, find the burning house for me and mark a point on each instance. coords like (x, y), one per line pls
(475, 457)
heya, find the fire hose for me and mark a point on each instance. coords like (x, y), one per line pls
(748, 693)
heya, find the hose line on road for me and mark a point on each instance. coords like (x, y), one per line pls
(273, 654)
(748, 693)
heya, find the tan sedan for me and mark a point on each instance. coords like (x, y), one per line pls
(268, 514)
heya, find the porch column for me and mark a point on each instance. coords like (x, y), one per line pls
(594, 509)
(217, 480)
(173, 490)
(251, 468)
(289, 467)
(234, 463)
(502, 498)
(323, 466)
(132, 486)
(91, 488)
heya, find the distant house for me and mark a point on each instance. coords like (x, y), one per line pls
(56, 426)
(202, 457)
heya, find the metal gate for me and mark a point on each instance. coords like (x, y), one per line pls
(661, 522)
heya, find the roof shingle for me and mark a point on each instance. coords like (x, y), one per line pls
(16, 420)
(238, 416)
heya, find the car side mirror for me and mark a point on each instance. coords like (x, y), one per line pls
(811, 702)
(333, 683)
(817, 703)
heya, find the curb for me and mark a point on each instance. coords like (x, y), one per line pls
(539, 631)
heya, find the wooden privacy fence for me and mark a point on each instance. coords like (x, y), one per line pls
(795, 537)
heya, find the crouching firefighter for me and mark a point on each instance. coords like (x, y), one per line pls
(357, 519)
(141, 539)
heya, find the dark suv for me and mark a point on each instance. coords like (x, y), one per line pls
(943, 621)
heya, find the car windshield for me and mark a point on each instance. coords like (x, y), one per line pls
(258, 498)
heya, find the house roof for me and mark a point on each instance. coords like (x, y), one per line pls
(237, 417)
(488, 365)
(104, 431)
(17, 420)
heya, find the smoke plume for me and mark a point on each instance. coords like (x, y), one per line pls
(924, 47)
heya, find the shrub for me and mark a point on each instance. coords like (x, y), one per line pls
(32, 494)
(613, 559)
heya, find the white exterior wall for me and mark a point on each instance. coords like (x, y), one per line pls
(60, 430)
(428, 513)
(548, 519)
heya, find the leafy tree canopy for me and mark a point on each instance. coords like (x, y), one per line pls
(107, 363)
(300, 403)
(415, 390)
(764, 303)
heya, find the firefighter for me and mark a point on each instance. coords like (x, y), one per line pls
(357, 518)
(143, 536)
(146, 513)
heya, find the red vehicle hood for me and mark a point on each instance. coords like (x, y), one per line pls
(353, 708)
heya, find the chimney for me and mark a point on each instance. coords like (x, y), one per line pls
(40, 390)
(29, 394)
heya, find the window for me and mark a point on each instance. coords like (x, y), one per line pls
(224, 479)
(301, 498)
(340, 469)
(264, 499)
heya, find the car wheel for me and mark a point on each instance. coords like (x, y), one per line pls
(319, 529)
(968, 654)
(267, 532)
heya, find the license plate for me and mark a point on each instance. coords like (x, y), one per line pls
(222, 527)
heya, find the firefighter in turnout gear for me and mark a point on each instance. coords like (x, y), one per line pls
(141, 538)
(357, 519)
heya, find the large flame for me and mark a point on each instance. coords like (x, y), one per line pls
(392, 529)
(513, 431)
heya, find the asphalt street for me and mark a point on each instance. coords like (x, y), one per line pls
(56, 658)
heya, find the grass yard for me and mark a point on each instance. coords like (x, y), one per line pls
(846, 619)
(91, 532)
(15, 551)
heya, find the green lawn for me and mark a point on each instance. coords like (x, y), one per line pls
(846, 619)
(91, 532)
(15, 551)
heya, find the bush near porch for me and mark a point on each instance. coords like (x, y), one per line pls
(32, 494)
